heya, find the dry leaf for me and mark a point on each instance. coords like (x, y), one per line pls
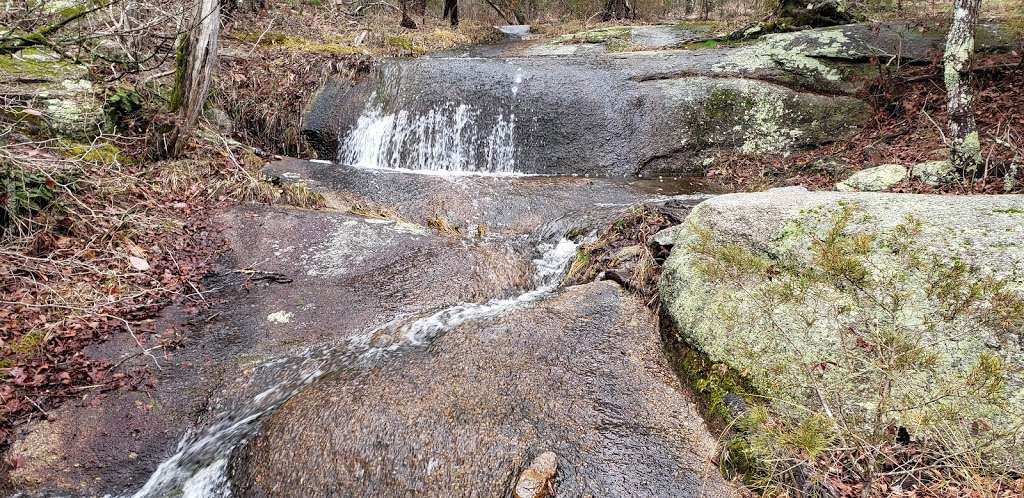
(138, 263)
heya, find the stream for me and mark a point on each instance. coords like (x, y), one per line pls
(199, 468)
(471, 169)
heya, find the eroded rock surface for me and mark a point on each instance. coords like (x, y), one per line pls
(581, 374)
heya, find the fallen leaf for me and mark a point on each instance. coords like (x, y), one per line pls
(138, 263)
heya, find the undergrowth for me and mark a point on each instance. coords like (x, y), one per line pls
(95, 244)
(622, 252)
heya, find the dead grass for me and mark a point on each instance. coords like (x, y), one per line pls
(440, 222)
(622, 253)
(367, 209)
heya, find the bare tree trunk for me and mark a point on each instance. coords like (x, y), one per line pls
(407, 21)
(964, 145)
(451, 11)
(419, 8)
(618, 9)
(197, 57)
(705, 9)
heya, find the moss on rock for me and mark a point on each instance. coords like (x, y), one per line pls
(860, 309)
(599, 35)
(59, 90)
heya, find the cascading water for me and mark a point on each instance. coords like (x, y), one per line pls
(199, 468)
(447, 138)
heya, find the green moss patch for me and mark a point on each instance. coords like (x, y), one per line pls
(855, 339)
(599, 35)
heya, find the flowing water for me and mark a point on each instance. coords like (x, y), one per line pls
(199, 467)
(448, 138)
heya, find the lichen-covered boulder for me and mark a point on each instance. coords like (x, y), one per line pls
(53, 94)
(874, 179)
(863, 313)
(933, 172)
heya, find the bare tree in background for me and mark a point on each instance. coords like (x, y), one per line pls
(197, 57)
(618, 9)
(451, 11)
(964, 145)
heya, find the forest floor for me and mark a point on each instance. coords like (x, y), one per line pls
(907, 128)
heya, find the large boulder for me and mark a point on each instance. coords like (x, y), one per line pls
(903, 307)
(581, 375)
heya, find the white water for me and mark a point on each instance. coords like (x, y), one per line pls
(445, 138)
(199, 468)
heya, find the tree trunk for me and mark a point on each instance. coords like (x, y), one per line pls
(229, 7)
(451, 11)
(407, 21)
(617, 9)
(419, 8)
(964, 145)
(705, 9)
(197, 57)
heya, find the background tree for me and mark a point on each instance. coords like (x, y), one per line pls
(618, 9)
(196, 60)
(451, 12)
(964, 145)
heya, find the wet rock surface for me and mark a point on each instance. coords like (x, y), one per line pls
(505, 206)
(640, 114)
(581, 374)
(295, 281)
(520, 106)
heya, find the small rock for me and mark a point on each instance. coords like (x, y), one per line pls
(360, 38)
(828, 166)
(874, 179)
(933, 172)
(533, 482)
(666, 237)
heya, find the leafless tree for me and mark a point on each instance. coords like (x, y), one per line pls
(196, 60)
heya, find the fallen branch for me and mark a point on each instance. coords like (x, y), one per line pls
(980, 69)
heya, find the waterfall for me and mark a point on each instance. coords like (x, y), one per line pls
(446, 138)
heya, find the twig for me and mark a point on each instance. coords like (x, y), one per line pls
(126, 324)
(937, 127)
(260, 38)
(30, 400)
